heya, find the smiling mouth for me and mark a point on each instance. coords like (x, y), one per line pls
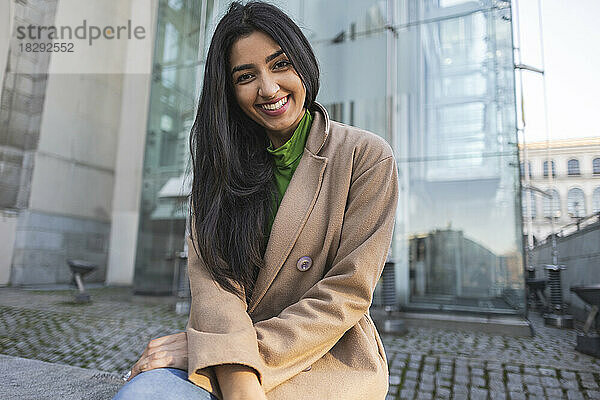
(275, 106)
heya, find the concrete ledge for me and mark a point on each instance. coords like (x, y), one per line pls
(492, 324)
(25, 379)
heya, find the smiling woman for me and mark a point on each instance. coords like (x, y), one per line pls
(267, 87)
(291, 222)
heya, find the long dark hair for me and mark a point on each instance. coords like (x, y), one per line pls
(233, 189)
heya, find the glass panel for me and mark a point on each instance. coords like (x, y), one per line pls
(434, 78)
(173, 96)
(459, 225)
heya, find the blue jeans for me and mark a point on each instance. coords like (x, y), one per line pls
(162, 384)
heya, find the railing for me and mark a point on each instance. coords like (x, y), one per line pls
(573, 227)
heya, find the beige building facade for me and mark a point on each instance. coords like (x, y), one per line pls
(574, 184)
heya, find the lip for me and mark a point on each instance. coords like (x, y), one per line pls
(274, 113)
(274, 101)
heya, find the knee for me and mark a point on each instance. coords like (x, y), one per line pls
(154, 384)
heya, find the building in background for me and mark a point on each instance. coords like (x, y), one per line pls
(434, 78)
(569, 170)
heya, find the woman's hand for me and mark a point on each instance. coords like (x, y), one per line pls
(166, 351)
(239, 382)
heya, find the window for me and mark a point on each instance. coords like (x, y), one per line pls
(596, 200)
(546, 169)
(573, 167)
(525, 205)
(576, 202)
(552, 205)
(522, 169)
(596, 166)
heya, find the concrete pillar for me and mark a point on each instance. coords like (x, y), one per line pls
(130, 158)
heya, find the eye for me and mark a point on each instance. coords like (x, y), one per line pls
(243, 77)
(282, 64)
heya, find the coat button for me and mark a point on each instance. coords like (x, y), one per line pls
(304, 263)
(307, 369)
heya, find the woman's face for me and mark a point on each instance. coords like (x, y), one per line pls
(266, 85)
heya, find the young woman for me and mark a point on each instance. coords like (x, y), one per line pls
(292, 217)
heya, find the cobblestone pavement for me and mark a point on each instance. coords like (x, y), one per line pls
(110, 333)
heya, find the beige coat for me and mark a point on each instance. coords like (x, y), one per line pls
(307, 329)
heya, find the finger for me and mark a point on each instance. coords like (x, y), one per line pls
(167, 339)
(169, 348)
(167, 359)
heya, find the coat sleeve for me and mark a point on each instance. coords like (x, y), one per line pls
(219, 329)
(306, 330)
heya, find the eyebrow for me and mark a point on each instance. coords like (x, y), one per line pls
(248, 66)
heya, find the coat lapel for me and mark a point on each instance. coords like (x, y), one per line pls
(296, 206)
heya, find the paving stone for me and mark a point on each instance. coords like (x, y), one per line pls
(424, 396)
(569, 384)
(548, 381)
(554, 393)
(514, 378)
(496, 376)
(477, 371)
(407, 394)
(515, 369)
(427, 377)
(409, 384)
(497, 395)
(442, 393)
(586, 376)
(429, 368)
(574, 395)
(460, 390)
(514, 387)
(593, 394)
(462, 379)
(531, 379)
(426, 387)
(547, 372)
(412, 374)
(494, 366)
(589, 384)
(530, 371)
(517, 396)
(478, 381)
(497, 386)
(394, 380)
(569, 375)
(478, 394)
(441, 375)
(446, 369)
(534, 389)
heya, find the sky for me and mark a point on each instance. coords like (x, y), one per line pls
(571, 36)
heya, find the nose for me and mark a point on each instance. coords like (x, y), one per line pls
(268, 87)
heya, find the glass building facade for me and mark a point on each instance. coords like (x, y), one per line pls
(434, 78)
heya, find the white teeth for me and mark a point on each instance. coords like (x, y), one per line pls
(275, 106)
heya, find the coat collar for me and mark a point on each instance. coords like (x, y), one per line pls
(319, 131)
(296, 205)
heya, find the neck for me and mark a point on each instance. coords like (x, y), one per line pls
(279, 139)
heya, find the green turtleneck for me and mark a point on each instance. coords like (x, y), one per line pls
(286, 158)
